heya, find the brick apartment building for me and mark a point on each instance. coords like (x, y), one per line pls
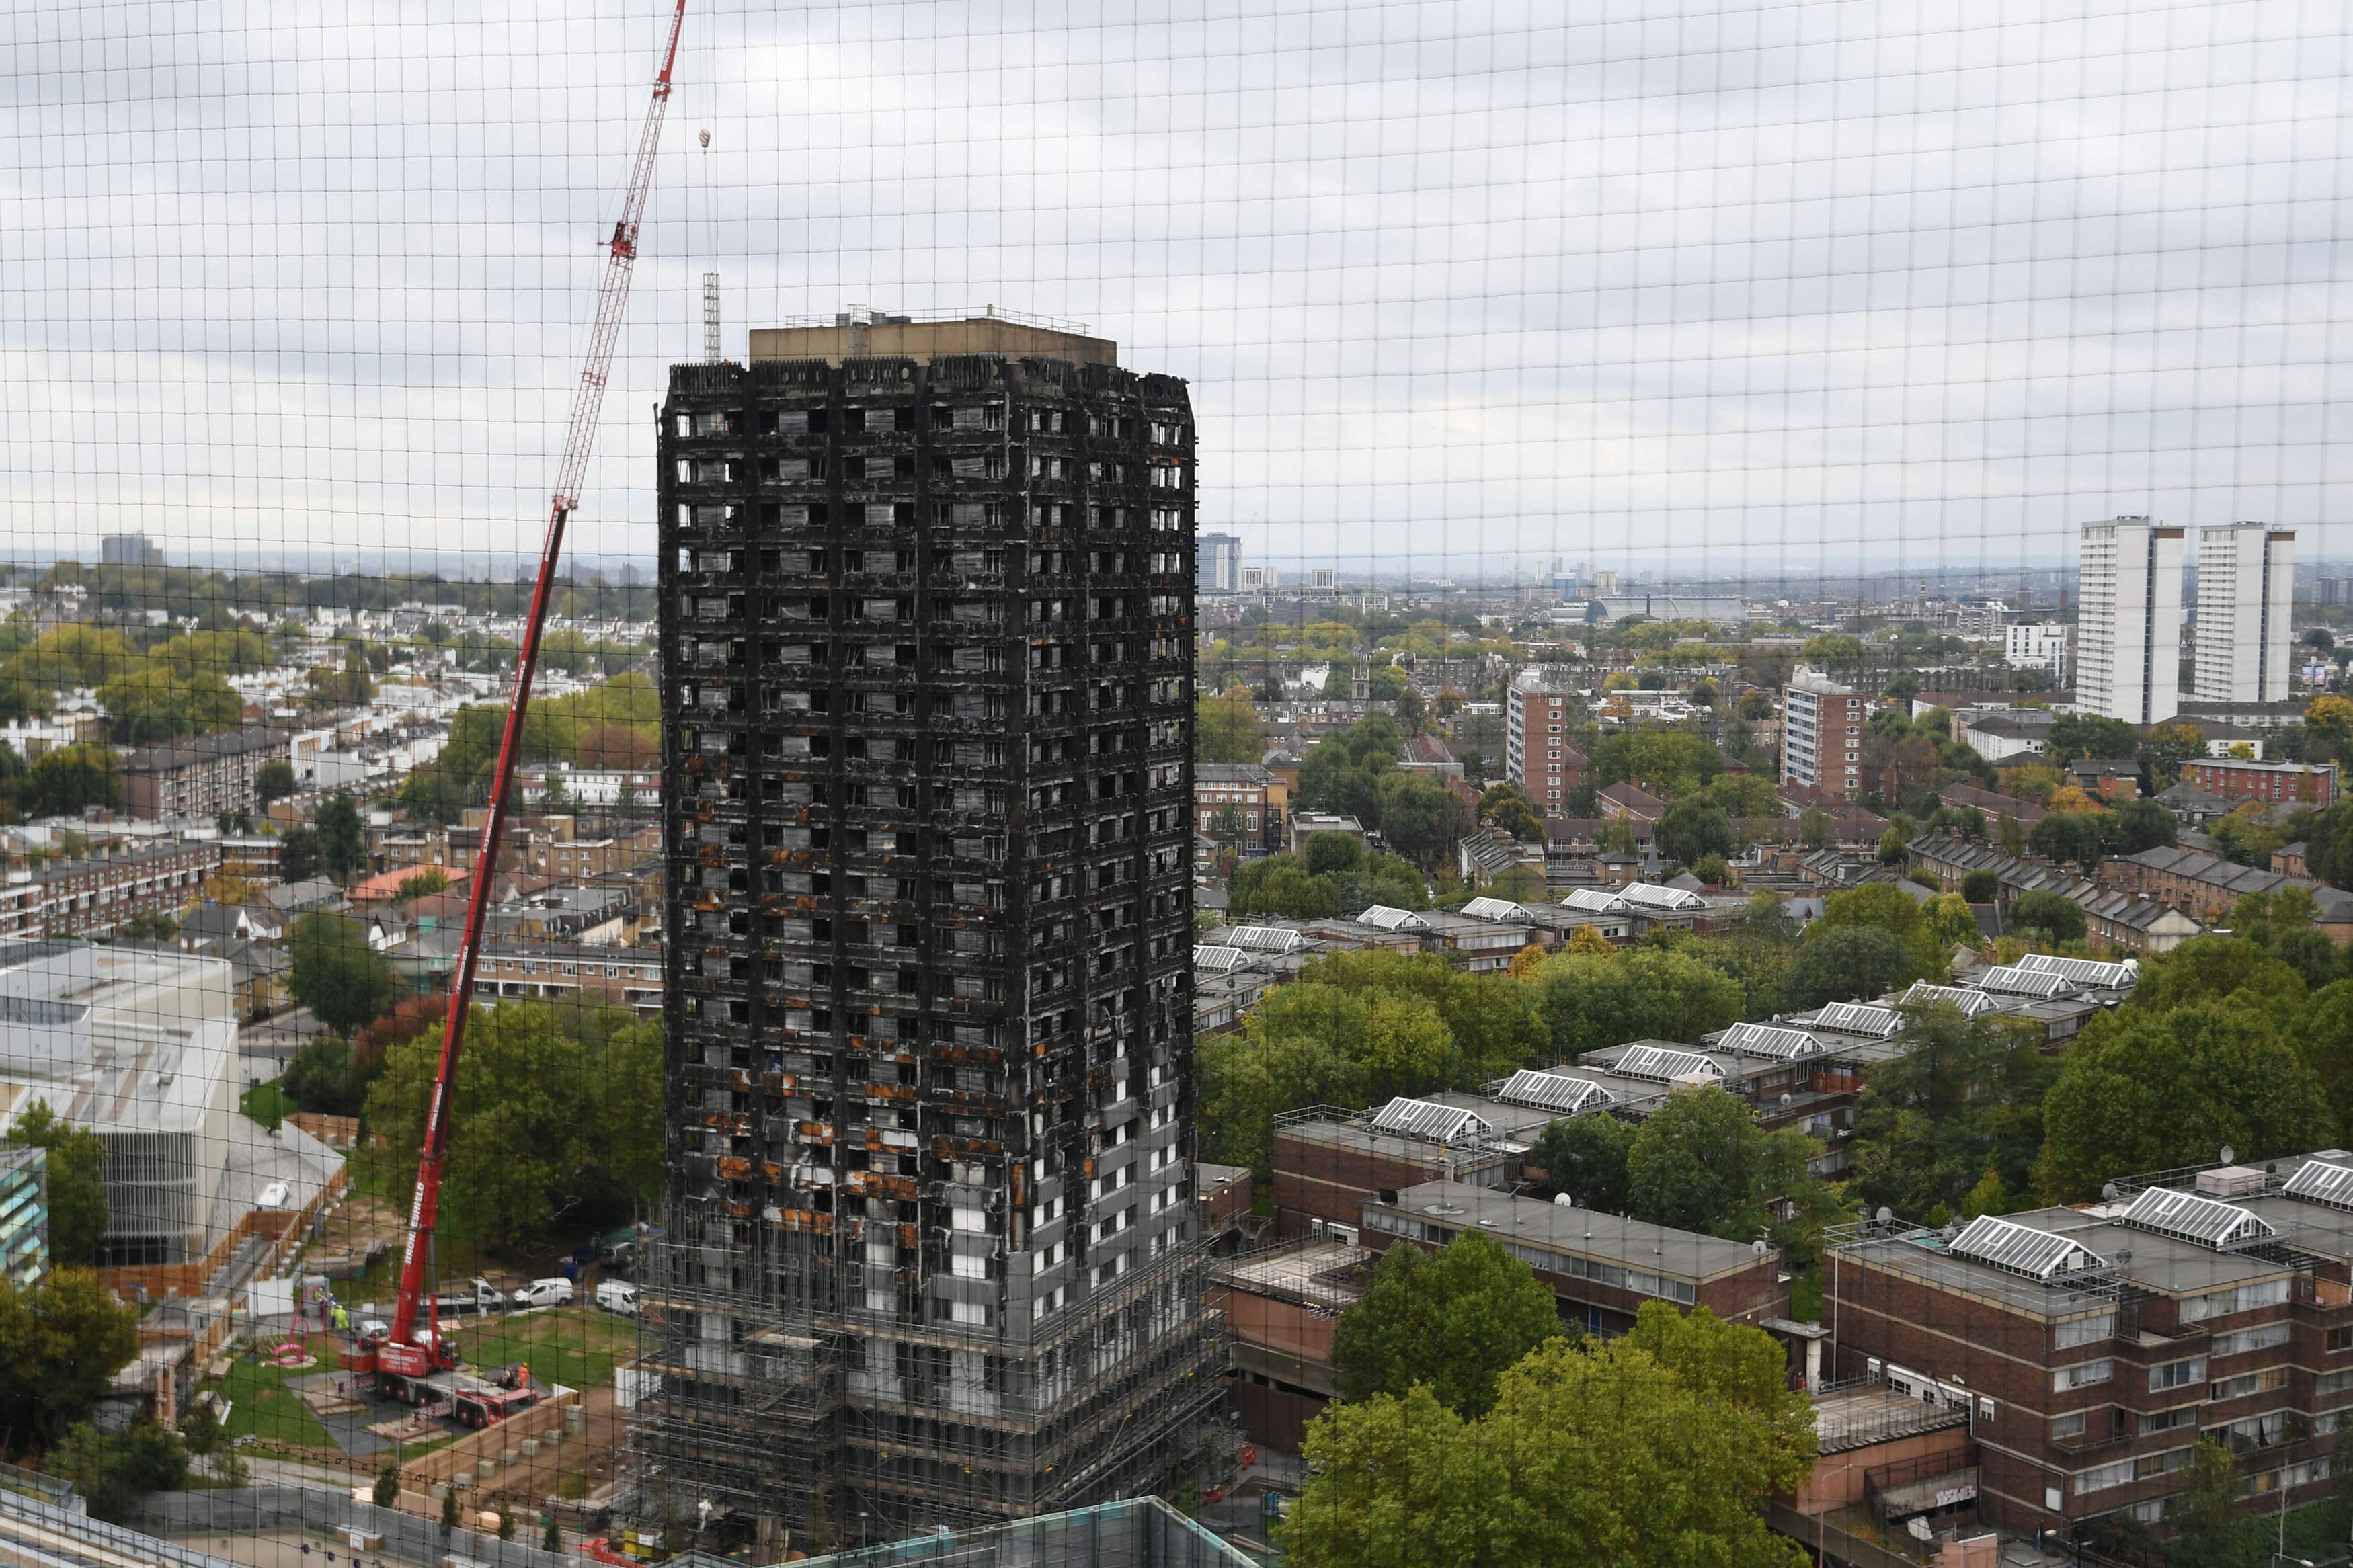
(1258, 799)
(2101, 1343)
(617, 976)
(200, 777)
(93, 897)
(1601, 1267)
(1538, 754)
(1281, 1304)
(2312, 783)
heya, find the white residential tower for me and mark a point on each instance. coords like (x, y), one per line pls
(2246, 578)
(2128, 620)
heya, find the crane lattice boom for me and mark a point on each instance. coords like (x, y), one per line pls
(405, 1352)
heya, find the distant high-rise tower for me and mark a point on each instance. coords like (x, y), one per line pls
(2128, 620)
(128, 550)
(1220, 558)
(2246, 587)
(930, 1247)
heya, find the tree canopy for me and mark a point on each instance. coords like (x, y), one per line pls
(543, 1125)
(1843, 963)
(1584, 1157)
(1454, 1323)
(77, 1181)
(1962, 1096)
(1701, 1163)
(343, 981)
(1588, 1001)
(61, 1342)
(2149, 1089)
(1650, 1450)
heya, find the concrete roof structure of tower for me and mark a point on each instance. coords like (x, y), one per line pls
(924, 336)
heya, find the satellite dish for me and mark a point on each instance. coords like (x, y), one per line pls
(1787, 1097)
(2230, 1155)
(2108, 1192)
(1886, 1215)
(1759, 1247)
(1564, 1200)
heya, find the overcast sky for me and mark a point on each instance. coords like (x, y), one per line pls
(1743, 288)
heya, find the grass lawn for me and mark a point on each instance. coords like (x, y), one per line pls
(264, 1407)
(575, 1345)
(266, 1103)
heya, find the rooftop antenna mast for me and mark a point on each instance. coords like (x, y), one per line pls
(710, 278)
(406, 1353)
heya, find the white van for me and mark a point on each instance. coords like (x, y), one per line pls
(543, 1293)
(618, 1296)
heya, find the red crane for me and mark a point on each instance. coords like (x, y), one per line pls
(406, 1353)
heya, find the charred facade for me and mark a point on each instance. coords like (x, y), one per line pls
(930, 1248)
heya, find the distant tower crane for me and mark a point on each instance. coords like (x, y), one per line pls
(409, 1350)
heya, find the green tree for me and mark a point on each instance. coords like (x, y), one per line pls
(320, 1078)
(2214, 967)
(2139, 824)
(2144, 1090)
(1844, 963)
(298, 855)
(2074, 735)
(2043, 909)
(448, 1511)
(550, 1537)
(1691, 827)
(2323, 1038)
(111, 1473)
(1588, 1001)
(343, 843)
(77, 1181)
(533, 1133)
(1817, 829)
(343, 981)
(1960, 1100)
(1701, 1163)
(1832, 650)
(61, 1342)
(2210, 1531)
(273, 781)
(1418, 818)
(1328, 852)
(1884, 906)
(1981, 886)
(387, 1485)
(1584, 1157)
(2065, 835)
(1651, 1450)
(1454, 1322)
(61, 782)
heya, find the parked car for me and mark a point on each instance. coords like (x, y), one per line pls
(543, 1293)
(618, 1296)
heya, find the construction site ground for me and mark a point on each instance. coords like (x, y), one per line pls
(325, 1417)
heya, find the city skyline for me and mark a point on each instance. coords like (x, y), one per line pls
(1745, 295)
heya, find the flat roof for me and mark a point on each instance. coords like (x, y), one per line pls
(886, 336)
(1312, 1273)
(2156, 1264)
(1849, 1418)
(162, 1034)
(1576, 1232)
